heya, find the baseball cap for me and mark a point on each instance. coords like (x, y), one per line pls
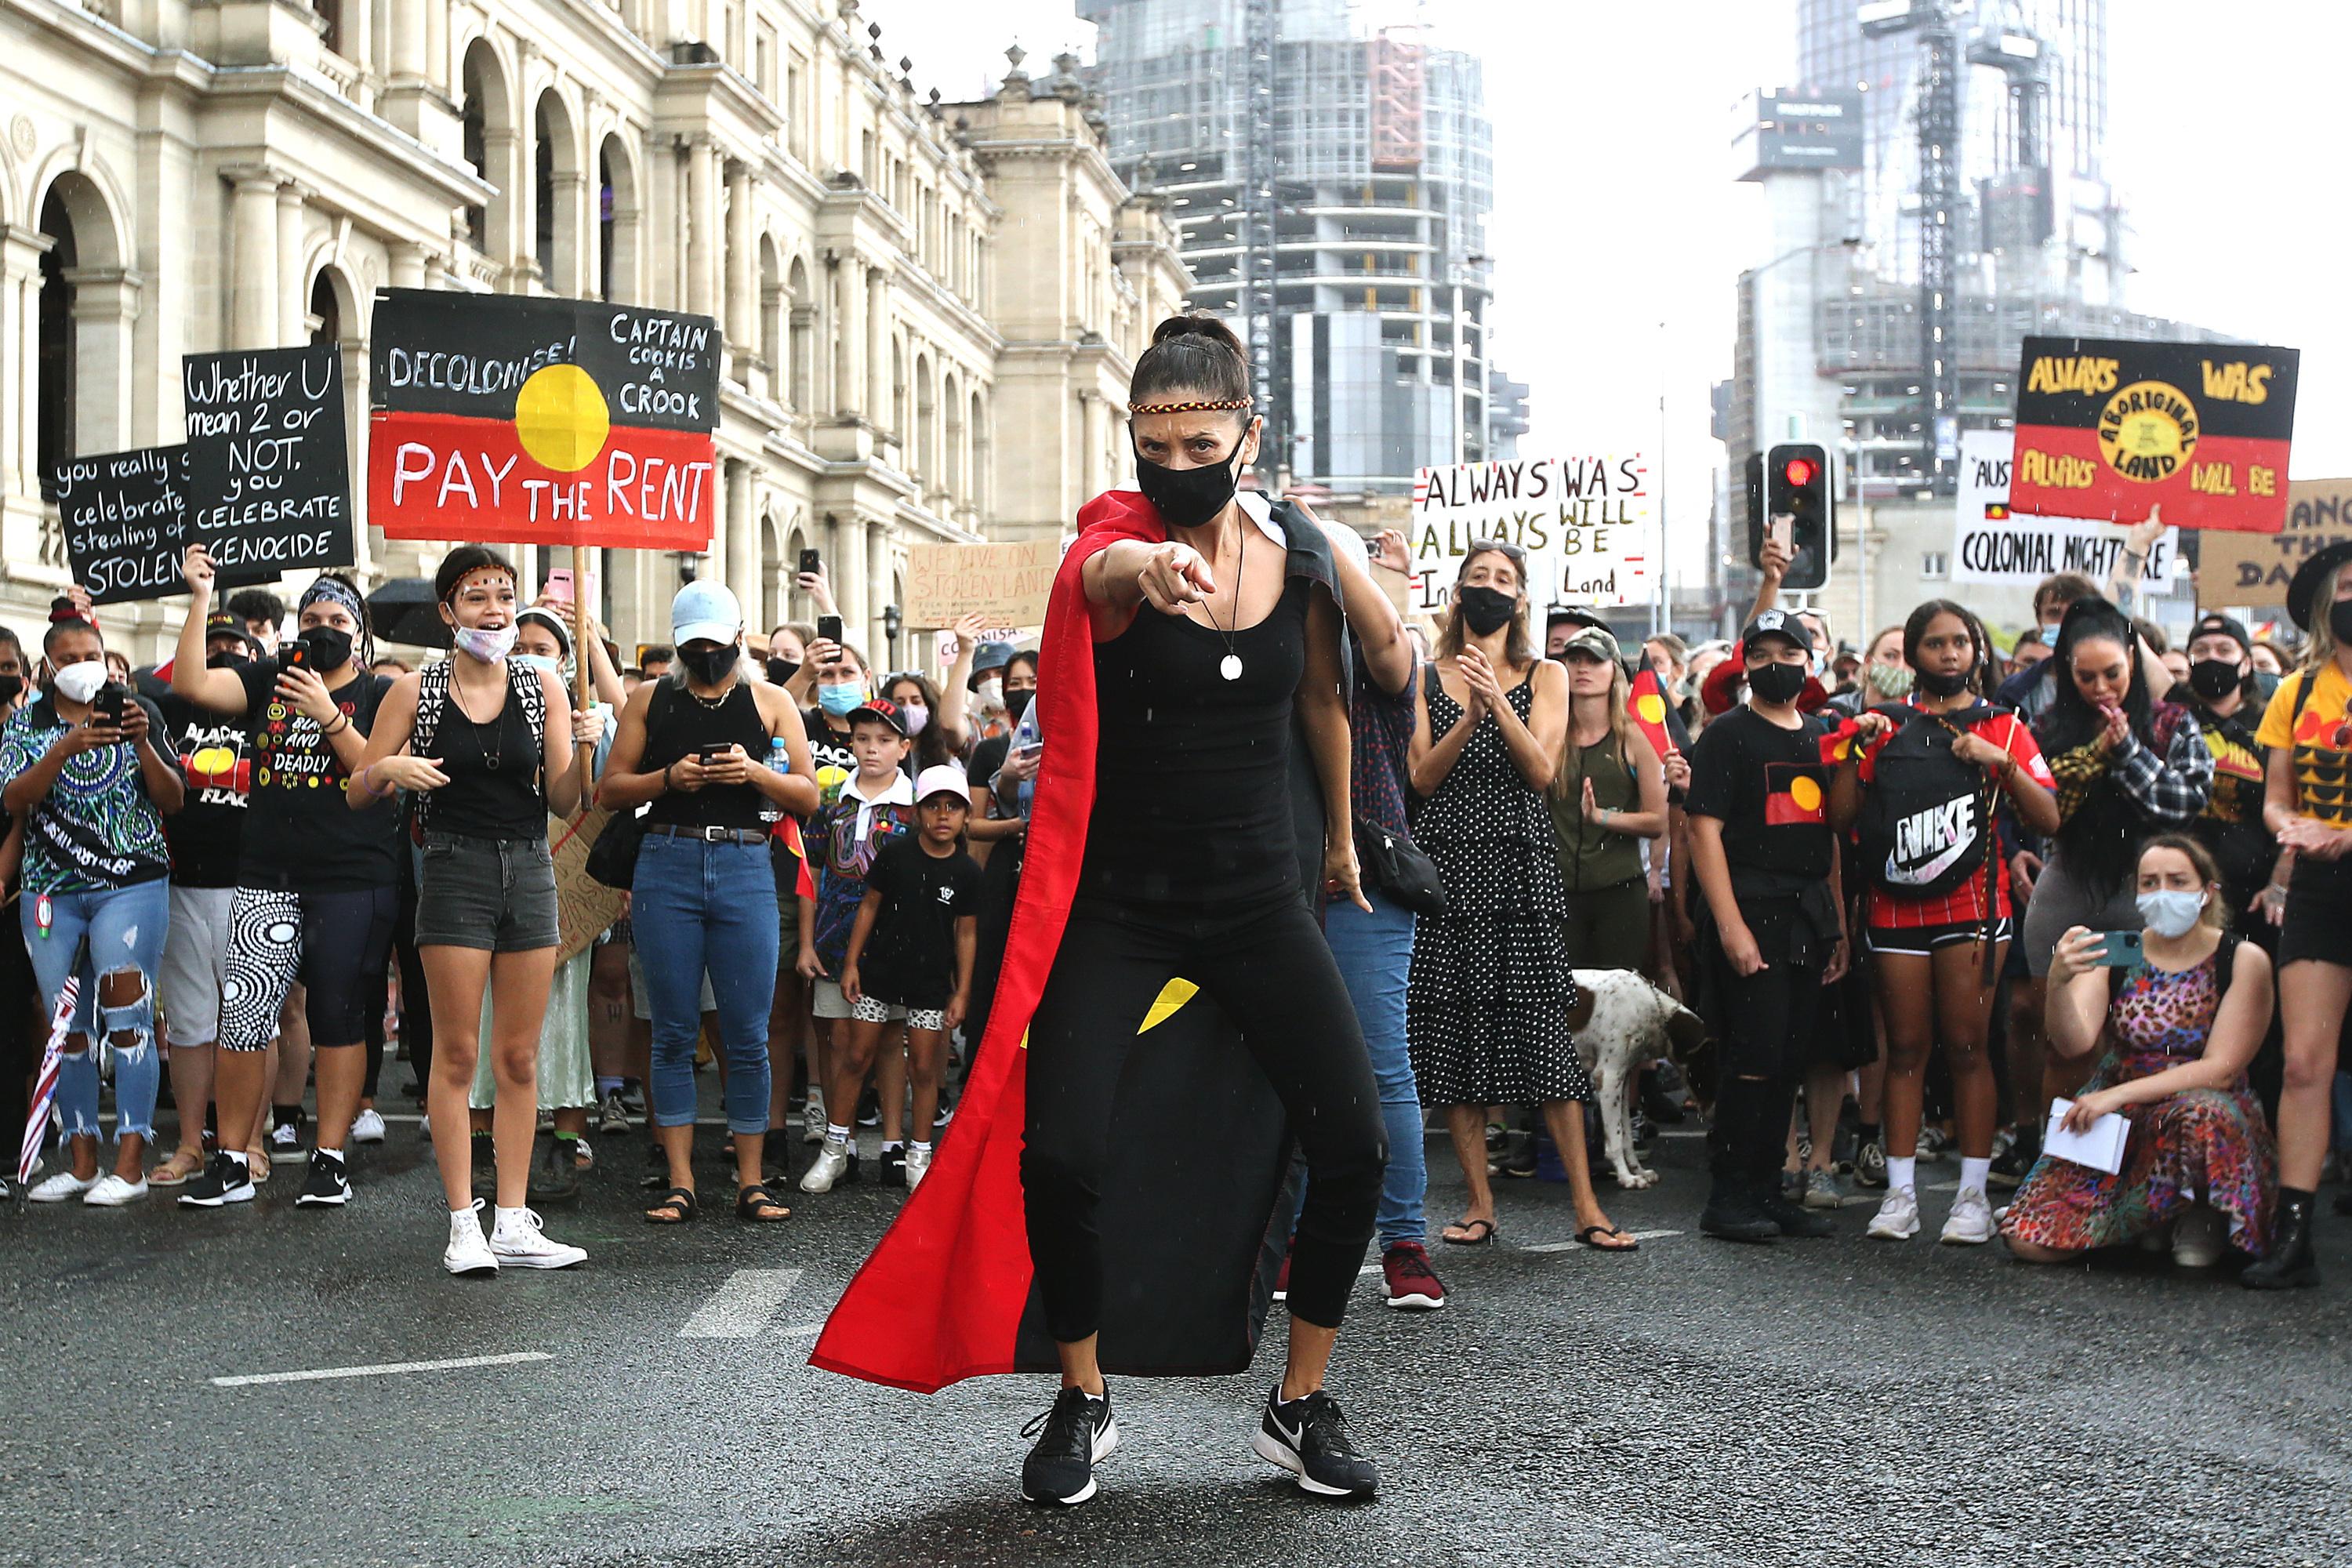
(704, 611)
(1780, 624)
(941, 779)
(882, 707)
(1598, 641)
(2215, 624)
(221, 623)
(1572, 616)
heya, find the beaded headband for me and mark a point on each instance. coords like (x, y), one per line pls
(1225, 406)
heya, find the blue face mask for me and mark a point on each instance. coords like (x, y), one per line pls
(536, 661)
(2050, 636)
(2172, 912)
(842, 701)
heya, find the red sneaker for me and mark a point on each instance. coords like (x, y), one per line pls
(1414, 1285)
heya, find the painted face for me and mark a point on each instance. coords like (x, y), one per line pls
(483, 600)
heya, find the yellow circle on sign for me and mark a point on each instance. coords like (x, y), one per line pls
(1805, 793)
(2147, 431)
(1651, 707)
(561, 418)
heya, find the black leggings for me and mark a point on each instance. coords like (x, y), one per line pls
(1272, 975)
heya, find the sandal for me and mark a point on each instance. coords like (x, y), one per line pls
(677, 1208)
(256, 1165)
(757, 1205)
(1589, 1231)
(1466, 1238)
(177, 1171)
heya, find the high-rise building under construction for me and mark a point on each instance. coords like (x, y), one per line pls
(1330, 181)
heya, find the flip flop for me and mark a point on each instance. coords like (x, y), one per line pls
(1589, 1231)
(1468, 1225)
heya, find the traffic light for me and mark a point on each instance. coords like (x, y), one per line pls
(1793, 482)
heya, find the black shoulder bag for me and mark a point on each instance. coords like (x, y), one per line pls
(613, 858)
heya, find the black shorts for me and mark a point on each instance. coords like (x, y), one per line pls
(2318, 913)
(1918, 942)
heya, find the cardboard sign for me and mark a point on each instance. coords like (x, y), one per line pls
(2109, 429)
(1991, 543)
(542, 421)
(584, 907)
(1009, 583)
(123, 515)
(1587, 526)
(2253, 569)
(269, 483)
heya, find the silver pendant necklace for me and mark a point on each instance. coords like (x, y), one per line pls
(1230, 667)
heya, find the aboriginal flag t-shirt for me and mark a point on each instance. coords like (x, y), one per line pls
(1767, 787)
(300, 833)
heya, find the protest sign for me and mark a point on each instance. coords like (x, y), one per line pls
(269, 483)
(584, 907)
(2110, 429)
(1587, 524)
(2253, 569)
(542, 421)
(1009, 583)
(1992, 545)
(123, 513)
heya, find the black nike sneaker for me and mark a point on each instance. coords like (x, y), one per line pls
(1073, 1437)
(1308, 1437)
(325, 1185)
(224, 1180)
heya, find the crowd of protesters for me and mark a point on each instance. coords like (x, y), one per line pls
(1932, 899)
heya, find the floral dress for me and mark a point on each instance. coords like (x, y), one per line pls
(1487, 1005)
(2209, 1144)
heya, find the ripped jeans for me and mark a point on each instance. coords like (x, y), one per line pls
(106, 933)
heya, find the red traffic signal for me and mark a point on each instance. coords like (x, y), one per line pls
(1800, 472)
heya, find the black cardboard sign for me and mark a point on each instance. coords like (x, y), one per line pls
(124, 517)
(268, 472)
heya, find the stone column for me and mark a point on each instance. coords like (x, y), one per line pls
(878, 593)
(21, 250)
(407, 265)
(293, 301)
(848, 563)
(253, 260)
(742, 286)
(878, 385)
(437, 42)
(1089, 464)
(742, 542)
(702, 224)
(850, 388)
(411, 52)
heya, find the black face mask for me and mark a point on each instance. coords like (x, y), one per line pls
(2339, 620)
(1775, 682)
(781, 670)
(709, 664)
(12, 687)
(1017, 703)
(330, 648)
(1935, 685)
(1486, 611)
(1187, 497)
(2214, 678)
(224, 662)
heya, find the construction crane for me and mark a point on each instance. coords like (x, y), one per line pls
(1260, 261)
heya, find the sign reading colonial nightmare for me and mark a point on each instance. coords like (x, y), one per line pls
(270, 484)
(1007, 582)
(1587, 524)
(543, 421)
(2110, 430)
(2253, 569)
(1990, 544)
(123, 515)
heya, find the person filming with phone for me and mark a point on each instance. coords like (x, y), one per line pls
(2174, 1010)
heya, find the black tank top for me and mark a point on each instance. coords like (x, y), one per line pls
(680, 724)
(1191, 797)
(496, 788)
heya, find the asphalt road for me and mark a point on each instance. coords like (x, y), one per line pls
(1821, 1402)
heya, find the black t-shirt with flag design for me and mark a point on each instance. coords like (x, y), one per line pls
(1768, 786)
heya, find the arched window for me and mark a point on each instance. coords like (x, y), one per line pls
(557, 187)
(326, 309)
(898, 403)
(618, 222)
(925, 464)
(543, 196)
(951, 398)
(54, 442)
(800, 393)
(486, 131)
(771, 317)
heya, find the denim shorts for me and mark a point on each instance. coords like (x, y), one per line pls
(496, 895)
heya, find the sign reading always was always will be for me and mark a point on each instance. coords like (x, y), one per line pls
(1587, 526)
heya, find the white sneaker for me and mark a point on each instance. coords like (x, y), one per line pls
(519, 1243)
(812, 1121)
(367, 1127)
(112, 1192)
(1970, 1224)
(467, 1253)
(2201, 1237)
(424, 1129)
(60, 1188)
(832, 1162)
(1898, 1218)
(918, 1165)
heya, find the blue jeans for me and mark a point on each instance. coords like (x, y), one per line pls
(698, 907)
(111, 931)
(1375, 954)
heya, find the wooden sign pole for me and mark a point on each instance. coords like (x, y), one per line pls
(585, 686)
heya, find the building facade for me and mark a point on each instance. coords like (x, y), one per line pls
(180, 177)
(1334, 201)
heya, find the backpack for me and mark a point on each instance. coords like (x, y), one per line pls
(1926, 825)
(433, 699)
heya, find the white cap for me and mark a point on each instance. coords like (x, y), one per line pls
(944, 779)
(704, 611)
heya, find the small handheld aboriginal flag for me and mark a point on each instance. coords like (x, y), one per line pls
(541, 421)
(1647, 702)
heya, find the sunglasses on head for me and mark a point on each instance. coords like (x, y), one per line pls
(1504, 546)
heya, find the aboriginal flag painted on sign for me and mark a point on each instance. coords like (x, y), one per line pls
(2112, 429)
(541, 421)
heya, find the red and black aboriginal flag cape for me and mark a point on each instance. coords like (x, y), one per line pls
(1200, 1151)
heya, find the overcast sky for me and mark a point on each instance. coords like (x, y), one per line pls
(1619, 233)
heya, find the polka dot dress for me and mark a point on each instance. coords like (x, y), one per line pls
(1487, 1004)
